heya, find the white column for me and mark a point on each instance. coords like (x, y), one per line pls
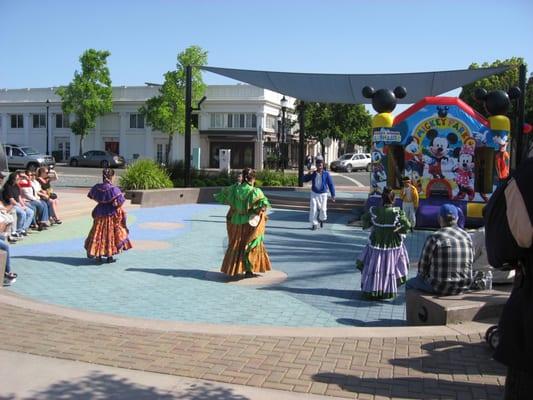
(4, 122)
(174, 151)
(122, 140)
(148, 143)
(26, 117)
(74, 139)
(98, 145)
(49, 130)
(259, 143)
(204, 151)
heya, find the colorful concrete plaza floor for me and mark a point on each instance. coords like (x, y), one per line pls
(166, 276)
(167, 284)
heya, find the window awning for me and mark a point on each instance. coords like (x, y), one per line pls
(346, 88)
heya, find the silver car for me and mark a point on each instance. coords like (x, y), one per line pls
(25, 157)
(352, 161)
(97, 158)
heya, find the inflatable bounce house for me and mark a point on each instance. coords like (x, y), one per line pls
(451, 153)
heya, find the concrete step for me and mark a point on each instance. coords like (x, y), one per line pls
(293, 202)
(427, 309)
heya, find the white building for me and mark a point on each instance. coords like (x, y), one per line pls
(240, 117)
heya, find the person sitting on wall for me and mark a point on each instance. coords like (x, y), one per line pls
(445, 266)
(409, 196)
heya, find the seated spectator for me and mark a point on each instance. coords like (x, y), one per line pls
(44, 177)
(7, 224)
(9, 276)
(11, 197)
(8, 216)
(31, 199)
(445, 265)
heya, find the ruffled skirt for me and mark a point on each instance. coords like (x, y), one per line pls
(246, 249)
(108, 236)
(383, 271)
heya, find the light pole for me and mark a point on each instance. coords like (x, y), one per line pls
(278, 144)
(283, 103)
(47, 128)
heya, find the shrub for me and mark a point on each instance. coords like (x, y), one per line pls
(199, 178)
(269, 177)
(145, 174)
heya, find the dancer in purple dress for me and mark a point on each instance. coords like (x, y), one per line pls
(384, 262)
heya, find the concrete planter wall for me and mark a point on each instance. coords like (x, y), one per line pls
(168, 197)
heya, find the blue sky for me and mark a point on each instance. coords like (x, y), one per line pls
(41, 41)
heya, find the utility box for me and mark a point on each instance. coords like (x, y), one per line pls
(224, 159)
(196, 152)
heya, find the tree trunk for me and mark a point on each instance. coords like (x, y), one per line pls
(167, 156)
(81, 145)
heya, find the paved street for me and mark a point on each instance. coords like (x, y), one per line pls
(339, 178)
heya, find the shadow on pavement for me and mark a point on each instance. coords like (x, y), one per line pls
(73, 261)
(381, 322)
(410, 387)
(200, 274)
(453, 357)
(106, 386)
(337, 293)
(210, 391)
(460, 367)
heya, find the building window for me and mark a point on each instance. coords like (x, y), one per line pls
(39, 120)
(239, 121)
(161, 152)
(17, 121)
(217, 120)
(136, 121)
(62, 121)
(251, 120)
(271, 122)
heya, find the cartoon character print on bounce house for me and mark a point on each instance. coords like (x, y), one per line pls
(378, 178)
(442, 128)
(414, 162)
(464, 171)
(438, 149)
(497, 103)
(383, 101)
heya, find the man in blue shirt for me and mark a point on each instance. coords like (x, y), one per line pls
(321, 182)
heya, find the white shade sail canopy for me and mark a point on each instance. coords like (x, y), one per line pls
(347, 88)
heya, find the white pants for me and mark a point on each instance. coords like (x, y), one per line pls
(410, 213)
(318, 203)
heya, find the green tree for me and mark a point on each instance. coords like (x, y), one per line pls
(166, 111)
(89, 95)
(347, 122)
(503, 81)
(529, 100)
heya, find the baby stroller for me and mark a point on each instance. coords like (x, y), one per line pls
(492, 337)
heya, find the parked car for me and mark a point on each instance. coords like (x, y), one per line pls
(352, 161)
(25, 157)
(97, 158)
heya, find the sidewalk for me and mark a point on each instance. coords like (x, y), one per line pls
(342, 361)
(40, 378)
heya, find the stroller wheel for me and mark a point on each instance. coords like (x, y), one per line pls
(494, 339)
(489, 332)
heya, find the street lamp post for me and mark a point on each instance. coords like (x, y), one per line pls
(47, 128)
(283, 103)
(278, 144)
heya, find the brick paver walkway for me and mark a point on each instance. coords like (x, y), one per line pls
(454, 367)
